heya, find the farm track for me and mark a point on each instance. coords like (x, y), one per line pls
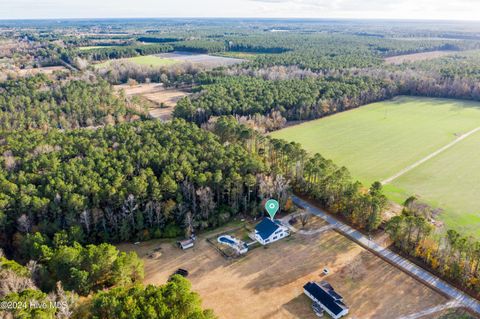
(432, 310)
(430, 156)
(398, 261)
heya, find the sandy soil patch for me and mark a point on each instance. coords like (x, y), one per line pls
(163, 99)
(267, 283)
(45, 70)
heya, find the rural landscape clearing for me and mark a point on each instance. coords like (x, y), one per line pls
(233, 287)
(241, 159)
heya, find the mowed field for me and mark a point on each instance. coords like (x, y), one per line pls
(377, 141)
(175, 58)
(267, 283)
(150, 60)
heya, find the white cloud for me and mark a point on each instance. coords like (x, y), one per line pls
(407, 9)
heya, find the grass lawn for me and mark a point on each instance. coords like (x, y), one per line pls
(376, 141)
(150, 60)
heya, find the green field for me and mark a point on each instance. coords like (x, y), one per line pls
(241, 55)
(377, 141)
(93, 47)
(150, 60)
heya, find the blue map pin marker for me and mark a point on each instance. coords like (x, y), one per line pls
(271, 206)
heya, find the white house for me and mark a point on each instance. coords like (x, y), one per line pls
(269, 231)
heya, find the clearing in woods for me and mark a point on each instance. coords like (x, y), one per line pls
(163, 99)
(175, 58)
(149, 60)
(380, 140)
(267, 283)
(414, 57)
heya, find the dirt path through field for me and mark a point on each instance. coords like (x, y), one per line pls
(432, 310)
(432, 155)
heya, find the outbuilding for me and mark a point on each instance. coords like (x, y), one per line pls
(323, 294)
(187, 243)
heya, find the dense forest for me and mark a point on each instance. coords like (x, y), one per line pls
(131, 181)
(150, 180)
(295, 99)
(39, 102)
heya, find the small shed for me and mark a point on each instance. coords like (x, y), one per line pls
(186, 244)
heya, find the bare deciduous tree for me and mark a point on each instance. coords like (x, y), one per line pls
(304, 218)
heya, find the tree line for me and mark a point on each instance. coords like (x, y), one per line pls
(449, 253)
(312, 175)
(119, 52)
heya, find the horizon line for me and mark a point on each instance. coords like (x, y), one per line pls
(244, 18)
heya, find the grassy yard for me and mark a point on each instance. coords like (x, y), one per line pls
(377, 141)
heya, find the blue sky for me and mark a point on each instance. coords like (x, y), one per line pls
(402, 9)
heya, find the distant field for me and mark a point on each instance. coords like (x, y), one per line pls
(93, 47)
(173, 58)
(163, 99)
(151, 60)
(241, 55)
(399, 59)
(205, 60)
(44, 70)
(379, 140)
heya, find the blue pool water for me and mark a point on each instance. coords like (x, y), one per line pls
(226, 240)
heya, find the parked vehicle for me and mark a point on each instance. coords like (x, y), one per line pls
(180, 271)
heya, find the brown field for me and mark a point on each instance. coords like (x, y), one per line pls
(45, 70)
(313, 222)
(267, 283)
(399, 59)
(203, 60)
(158, 95)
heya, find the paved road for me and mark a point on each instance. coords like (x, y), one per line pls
(432, 155)
(402, 263)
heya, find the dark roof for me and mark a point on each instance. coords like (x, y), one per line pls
(335, 296)
(327, 287)
(266, 228)
(324, 297)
